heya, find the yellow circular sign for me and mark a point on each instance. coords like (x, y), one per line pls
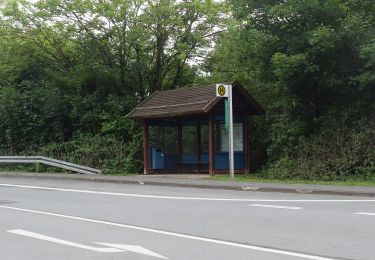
(221, 90)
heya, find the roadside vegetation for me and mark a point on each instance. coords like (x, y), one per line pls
(254, 178)
(71, 70)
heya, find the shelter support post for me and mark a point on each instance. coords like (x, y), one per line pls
(211, 144)
(179, 146)
(246, 143)
(199, 145)
(146, 148)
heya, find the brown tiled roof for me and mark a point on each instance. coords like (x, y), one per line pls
(185, 101)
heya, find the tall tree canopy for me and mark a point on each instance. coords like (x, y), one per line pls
(311, 64)
(73, 68)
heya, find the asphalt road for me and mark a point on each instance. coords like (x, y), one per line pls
(59, 219)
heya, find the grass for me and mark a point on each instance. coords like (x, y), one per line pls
(39, 168)
(119, 174)
(238, 177)
(20, 168)
(254, 178)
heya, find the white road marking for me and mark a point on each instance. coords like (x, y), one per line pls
(365, 213)
(168, 233)
(274, 206)
(111, 248)
(177, 197)
(64, 242)
(132, 248)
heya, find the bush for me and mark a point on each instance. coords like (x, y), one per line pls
(338, 153)
(105, 153)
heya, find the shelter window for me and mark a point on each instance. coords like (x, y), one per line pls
(204, 139)
(189, 136)
(237, 138)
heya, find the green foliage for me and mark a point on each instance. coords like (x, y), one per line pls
(340, 153)
(310, 64)
(106, 153)
(71, 70)
(30, 116)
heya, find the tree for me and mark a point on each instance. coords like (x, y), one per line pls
(308, 62)
(98, 59)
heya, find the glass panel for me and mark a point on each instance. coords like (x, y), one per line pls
(156, 147)
(156, 137)
(204, 139)
(170, 147)
(189, 140)
(163, 147)
(170, 140)
(237, 138)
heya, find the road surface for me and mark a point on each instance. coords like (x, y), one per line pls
(60, 219)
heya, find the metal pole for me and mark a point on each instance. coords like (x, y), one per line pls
(231, 148)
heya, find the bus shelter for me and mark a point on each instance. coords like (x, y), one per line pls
(184, 130)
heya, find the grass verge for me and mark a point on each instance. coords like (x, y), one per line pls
(254, 178)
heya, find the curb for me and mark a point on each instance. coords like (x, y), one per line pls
(198, 186)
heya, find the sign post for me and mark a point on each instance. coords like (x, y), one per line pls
(226, 91)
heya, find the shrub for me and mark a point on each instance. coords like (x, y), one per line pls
(106, 153)
(338, 153)
(102, 152)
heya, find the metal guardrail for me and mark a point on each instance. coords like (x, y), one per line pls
(51, 162)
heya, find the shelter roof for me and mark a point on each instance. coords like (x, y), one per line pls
(189, 101)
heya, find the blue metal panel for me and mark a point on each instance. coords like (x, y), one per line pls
(157, 159)
(189, 157)
(204, 157)
(170, 161)
(222, 161)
